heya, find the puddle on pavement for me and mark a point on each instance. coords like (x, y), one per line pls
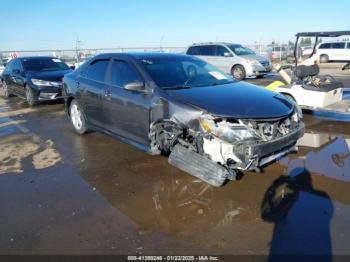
(14, 149)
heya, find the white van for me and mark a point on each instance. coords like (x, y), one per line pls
(233, 59)
(333, 51)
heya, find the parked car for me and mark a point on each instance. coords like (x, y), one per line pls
(306, 50)
(209, 124)
(233, 59)
(333, 51)
(278, 52)
(2, 68)
(34, 78)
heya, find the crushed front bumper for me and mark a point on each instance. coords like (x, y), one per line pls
(257, 154)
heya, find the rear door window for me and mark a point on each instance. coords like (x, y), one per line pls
(340, 45)
(97, 70)
(194, 50)
(325, 46)
(208, 50)
(123, 73)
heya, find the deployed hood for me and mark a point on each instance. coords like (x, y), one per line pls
(55, 76)
(236, 100)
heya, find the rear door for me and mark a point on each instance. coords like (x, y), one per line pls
(18, 78)
(91, 89)
(338, 51)
(7, 75)
(126, 111)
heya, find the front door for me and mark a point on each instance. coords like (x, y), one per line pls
(126, 111)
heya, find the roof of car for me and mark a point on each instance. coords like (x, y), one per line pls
(214, 43)
(35, 57)
(140, 55)
(324, 34)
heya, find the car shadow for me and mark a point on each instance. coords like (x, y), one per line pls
(301, 215)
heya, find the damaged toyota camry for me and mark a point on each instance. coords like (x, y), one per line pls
(209, 125)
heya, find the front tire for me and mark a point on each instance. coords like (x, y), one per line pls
(31, 96)
(77, 118)
(238, 72)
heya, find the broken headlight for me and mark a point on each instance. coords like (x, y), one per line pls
(227, 131)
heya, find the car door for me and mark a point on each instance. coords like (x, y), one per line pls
(126, 111)
(90, 91)
(7, 75)
(338, 51)
(207, 53)
(18, 78)
(224, 59)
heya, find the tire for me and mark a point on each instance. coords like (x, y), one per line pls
(324, 58)
(31, 96)
(77, 118)
(238, 72)
(7, 92)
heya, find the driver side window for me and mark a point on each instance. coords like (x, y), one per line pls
(221, 50)
(123, 73)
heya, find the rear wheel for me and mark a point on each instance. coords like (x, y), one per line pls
(6, 89)
(31, 96)
(238, 72)
(77, 118)
(324, 58)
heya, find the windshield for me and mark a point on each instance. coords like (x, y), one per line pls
(184, 72)
(241, 50)
(43, 64)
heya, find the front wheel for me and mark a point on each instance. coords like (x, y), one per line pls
(238, 72)
(31, 96)
(77, 118)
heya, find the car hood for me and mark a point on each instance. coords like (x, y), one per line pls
(55, 76)
(236, 100)
(255, 57)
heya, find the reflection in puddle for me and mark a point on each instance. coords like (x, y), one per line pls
(329, 156)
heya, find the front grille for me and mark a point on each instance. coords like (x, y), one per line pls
(271, 129)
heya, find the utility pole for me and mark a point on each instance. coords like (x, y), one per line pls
(78, 45)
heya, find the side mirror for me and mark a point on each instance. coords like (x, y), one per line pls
(135, 86)
(227, 54)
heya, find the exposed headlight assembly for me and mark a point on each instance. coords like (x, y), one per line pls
(226, 131)
(39, 82)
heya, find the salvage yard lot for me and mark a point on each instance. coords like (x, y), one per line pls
(62, 193)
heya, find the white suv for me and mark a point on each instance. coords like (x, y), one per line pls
(233, 59)
(333, 51)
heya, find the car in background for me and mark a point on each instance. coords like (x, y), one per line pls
(2, 67)
(307, 50)
(209, 124)
(333, 51)
(278, 52)
(234, 59)
(34, 78)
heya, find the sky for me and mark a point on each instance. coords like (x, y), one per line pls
(56, 24)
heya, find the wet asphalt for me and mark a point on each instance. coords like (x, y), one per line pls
(61, 193)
